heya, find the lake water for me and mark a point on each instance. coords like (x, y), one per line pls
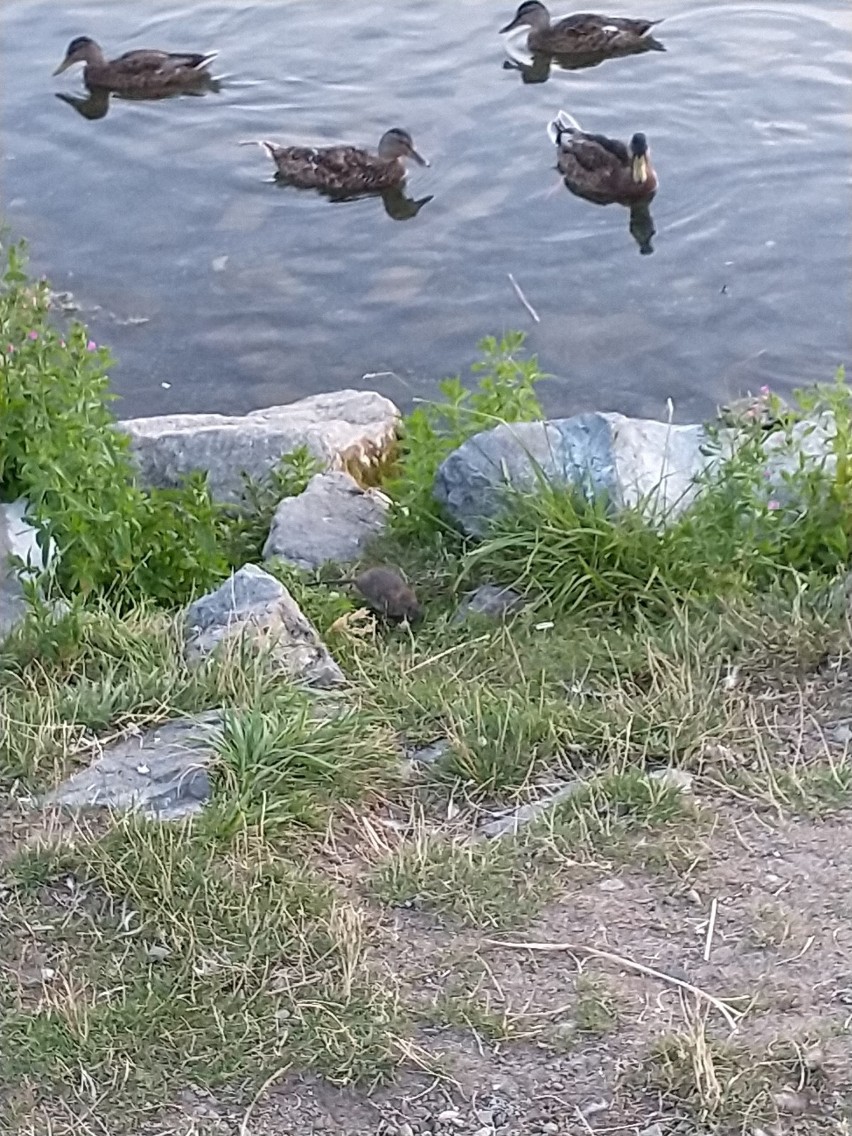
(253, 294)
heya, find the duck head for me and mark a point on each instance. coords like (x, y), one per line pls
(639, 158)
(531, 14)
(80, 50)
(398, 143)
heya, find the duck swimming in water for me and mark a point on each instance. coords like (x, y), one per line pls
(583, 34)
(140, 72)
(602, 169)
(346, 169)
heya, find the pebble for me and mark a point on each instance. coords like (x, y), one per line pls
(611, 885)
(677, 779)
(786, 1100)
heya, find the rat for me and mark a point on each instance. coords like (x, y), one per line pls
(387, 594)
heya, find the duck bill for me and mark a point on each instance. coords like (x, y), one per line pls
(63, 66)
(419, 159)
(510, 26)
(640, 169)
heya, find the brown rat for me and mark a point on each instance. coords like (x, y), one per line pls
(387, 594)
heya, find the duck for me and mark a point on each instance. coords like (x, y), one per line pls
(603, 169)
(140, 72)
(583, 33)
(339, 170)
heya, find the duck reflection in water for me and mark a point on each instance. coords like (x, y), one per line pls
(608, 172)
(96, 103)
(540, 64)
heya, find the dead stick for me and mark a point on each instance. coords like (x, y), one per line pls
(711, 927)
(523, 298)
(443, 654)
(728, 1012)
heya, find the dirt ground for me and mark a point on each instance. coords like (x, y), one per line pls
(779, 952)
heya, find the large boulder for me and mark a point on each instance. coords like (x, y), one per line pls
(631, 460)
(255, 610)
(333, 519)
(344, 429)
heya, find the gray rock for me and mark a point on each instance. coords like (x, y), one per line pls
(255, 607)
(161, 773)
(680, 780)
(491, 600)
(353, 429)
(631, 460)
(18, 542)
(429, 754)
(333, 519)
(516, 819)
(12, 605)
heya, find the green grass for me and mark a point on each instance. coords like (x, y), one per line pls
(485, 884)
(719, 1083)
(191, 965)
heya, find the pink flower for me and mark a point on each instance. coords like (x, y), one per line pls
(10, 348)
(764, 391)
(32, 335)
(91, 345)
(61, 342)
(773, 506)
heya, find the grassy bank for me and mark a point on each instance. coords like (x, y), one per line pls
(335, 917)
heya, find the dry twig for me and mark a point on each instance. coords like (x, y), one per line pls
(728, 1012)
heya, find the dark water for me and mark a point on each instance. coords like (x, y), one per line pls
(254, 294)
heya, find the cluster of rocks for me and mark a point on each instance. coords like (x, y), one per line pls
(632, 461)
(350, 432)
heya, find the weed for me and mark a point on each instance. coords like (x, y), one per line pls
(617, 815)
(505, 392)
(740, 535)
(596, 1009)
(61, 452)
(493, 885)
(246, 526)
(723, 1084)
(289, 760)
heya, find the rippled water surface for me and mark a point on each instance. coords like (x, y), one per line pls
(253, 294)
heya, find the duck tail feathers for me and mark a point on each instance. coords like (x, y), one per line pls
(269, 147)
(564, 123)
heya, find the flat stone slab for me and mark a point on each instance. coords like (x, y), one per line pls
(332, 520)
(255, 607)
(161, 773)
(352, 429)
(631, 460)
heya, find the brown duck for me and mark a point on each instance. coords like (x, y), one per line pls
(583, 33)
(346, 169)
(603, 169)
(140, 72)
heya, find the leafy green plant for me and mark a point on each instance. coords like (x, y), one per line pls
(505, 392)
(247, 526)
(61, 450)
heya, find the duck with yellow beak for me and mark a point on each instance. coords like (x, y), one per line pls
(602, 169)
